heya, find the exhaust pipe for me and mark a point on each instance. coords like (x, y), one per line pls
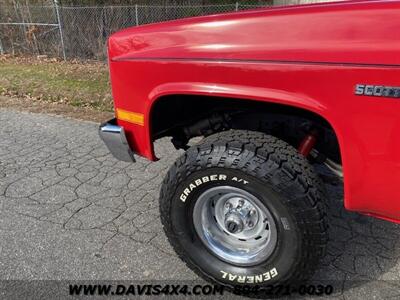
(336, 168)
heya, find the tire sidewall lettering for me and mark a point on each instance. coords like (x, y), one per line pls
(209, 178)
(195, 184)
(250, 279)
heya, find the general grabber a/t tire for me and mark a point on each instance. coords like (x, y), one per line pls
(242, 208)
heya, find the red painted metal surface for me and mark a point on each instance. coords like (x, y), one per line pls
(309, 57)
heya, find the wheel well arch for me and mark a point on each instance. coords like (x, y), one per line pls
(171, 114)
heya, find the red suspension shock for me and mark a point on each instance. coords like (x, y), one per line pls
(308, 143)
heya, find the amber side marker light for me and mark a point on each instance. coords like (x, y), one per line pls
(131, 117)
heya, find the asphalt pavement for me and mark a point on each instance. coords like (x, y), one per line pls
(70, 211)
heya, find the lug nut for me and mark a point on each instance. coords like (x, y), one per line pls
(250, 224)
(228, 205)
(252, 212)
(241, 202)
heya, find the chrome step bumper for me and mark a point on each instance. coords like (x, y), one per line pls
(114, 138)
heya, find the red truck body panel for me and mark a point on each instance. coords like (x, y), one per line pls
(310, 57)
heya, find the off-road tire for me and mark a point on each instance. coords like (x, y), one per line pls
(270, 166)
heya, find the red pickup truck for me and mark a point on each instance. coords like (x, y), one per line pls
(271, 91)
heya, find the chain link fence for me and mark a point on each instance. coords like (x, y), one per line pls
(81, 32)
(29, 29)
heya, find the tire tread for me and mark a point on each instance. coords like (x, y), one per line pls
(271, 160)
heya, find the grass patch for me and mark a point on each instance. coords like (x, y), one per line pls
(72, 83)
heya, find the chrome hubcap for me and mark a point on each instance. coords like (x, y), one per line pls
(239, 215)
(235, 225)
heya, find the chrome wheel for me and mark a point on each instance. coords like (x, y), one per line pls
(235, 225)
